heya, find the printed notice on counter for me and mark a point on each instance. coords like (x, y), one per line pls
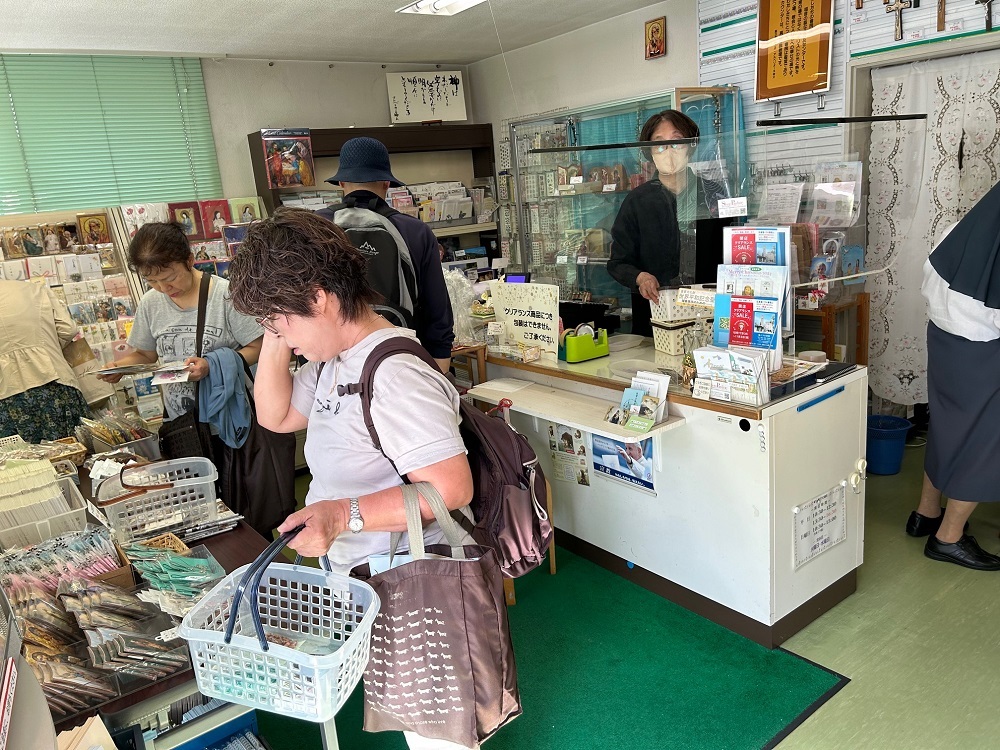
(530, 313)
(820, 524)
(568, 447)
(630, 463)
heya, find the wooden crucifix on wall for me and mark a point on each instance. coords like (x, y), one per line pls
(940, 15)
(988, 6)
(859, 4)
(897, 7)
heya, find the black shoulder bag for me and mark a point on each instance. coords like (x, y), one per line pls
(185, 436)
(258, 478)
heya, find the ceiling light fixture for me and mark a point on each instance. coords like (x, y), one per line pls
(439, 7)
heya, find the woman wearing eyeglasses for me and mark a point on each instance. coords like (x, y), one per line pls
(654, 235)
(167, 316)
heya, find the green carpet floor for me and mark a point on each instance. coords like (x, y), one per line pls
(603, 663)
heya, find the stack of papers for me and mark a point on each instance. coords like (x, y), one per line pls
(737, 374)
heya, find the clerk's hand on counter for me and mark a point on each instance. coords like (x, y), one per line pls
(649, 287)
(324, 522)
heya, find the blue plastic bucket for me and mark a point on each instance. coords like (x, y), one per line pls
(886, 443)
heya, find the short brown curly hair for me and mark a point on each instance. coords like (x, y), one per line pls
(284, 260)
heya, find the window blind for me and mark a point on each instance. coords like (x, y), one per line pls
(81, 132)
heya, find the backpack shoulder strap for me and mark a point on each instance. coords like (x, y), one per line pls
(365, 386)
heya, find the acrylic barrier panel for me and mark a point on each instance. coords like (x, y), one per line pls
(842, 207)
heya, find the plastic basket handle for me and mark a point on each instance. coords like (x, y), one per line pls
(142, 487)
(253, 576)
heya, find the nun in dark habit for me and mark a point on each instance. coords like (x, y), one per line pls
(962, 288)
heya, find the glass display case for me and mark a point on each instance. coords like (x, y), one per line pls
(573, 172)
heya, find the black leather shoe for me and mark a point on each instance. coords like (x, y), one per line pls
(918, 525)
(965, 552)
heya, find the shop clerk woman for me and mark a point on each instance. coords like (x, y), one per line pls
(653, 238)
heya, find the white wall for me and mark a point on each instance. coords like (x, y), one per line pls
(600, 63)
(247, 95)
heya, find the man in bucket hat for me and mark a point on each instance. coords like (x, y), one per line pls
(365, 176)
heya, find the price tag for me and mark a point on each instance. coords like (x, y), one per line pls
(576, 180)
(494, 329)
(459, 254)
(859, 17)
(168, 635)
(729, 207)
(611, 188)
(954, 26)
(915, 35)
(562, 260)
(582, 260)
(702, 389)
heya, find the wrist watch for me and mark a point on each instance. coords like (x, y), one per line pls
(356, 522)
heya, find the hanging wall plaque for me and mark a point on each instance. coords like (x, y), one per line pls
(426, 96)
(794, 48)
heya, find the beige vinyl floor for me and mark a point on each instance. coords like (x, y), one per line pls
(920, 640)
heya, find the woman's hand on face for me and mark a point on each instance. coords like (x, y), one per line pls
(197, 368)
(649, 287)
(324, 522)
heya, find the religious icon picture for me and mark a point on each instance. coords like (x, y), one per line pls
(92, 229)
(244, 210)
(656, 38)
(31, 238)
(188, 216)
(13, 245)
(288, 157)
(214, 216)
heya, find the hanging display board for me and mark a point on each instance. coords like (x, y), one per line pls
(630, 463)
(794, 50)
(426, 96)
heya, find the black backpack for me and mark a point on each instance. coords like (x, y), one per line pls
(390, 267)
(509, 495)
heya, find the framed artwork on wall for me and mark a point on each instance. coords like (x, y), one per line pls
(656, 37)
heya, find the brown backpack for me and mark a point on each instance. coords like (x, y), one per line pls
(509, 496)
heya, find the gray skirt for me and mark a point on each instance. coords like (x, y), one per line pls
(963, 440)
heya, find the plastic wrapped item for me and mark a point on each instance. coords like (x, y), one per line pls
(462, 295)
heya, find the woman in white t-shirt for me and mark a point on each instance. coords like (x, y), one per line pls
(299, 275)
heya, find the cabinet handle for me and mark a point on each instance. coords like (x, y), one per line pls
(819, 399)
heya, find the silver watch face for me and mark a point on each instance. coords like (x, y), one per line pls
(356, 523)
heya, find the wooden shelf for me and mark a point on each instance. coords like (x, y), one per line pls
(571, 409)
(465, 229)
(327, 142)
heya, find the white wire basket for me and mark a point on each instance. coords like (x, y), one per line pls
(328, 617)
(152, 499)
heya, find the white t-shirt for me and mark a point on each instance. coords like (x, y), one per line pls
(415, 410)
(956, 313)
(161, 326)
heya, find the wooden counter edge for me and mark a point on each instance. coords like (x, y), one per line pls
(745, 412)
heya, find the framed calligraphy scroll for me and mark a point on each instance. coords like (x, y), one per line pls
(794, 48)
(426, 96)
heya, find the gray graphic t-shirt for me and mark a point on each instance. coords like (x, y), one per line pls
(161, 326)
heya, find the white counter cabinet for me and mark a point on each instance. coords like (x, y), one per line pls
(718, 535)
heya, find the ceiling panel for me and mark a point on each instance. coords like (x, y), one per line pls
(335, 30)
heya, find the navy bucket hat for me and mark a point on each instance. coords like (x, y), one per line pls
(364, 160)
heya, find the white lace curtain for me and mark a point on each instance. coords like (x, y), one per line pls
(917, 189)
